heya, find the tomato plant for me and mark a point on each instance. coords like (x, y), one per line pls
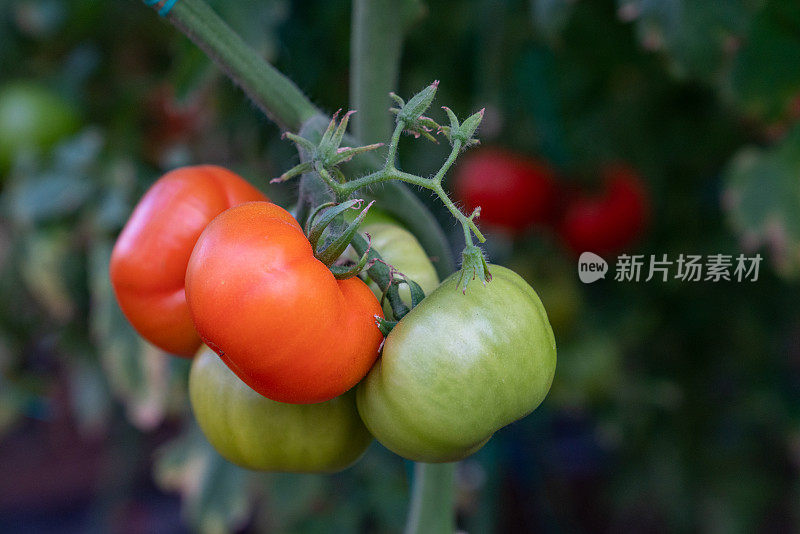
(513, 191)
(459, 367)
(32, 117)
(275, 313)
(608, 222)
(258, 433)
(148, 264)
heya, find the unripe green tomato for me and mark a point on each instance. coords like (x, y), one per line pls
(459, 367)
(258, 433)
(398, 247)
(32, 117)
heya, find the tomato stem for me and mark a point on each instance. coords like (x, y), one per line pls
(390, 172)
(277, 96)
(378, 28)
(431, 505)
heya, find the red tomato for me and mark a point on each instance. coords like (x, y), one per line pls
(513, 191)
(148, 264)
(611, 221)
(274, 313)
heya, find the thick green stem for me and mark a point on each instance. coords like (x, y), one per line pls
(431, 509)
(375, 48)
(279, 98)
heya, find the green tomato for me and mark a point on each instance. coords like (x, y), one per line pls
(258, 433)
(397, 246)
(459, 367)
(32, 117)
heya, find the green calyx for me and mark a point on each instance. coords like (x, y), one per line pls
(473, 265)
(326, 156)
(329, 240)
(463, 132)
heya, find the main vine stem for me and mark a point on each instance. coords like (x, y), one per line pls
(376, 46)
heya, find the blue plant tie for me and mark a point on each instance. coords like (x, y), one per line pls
(165, 8)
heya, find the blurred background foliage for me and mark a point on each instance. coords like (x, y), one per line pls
(675, 406)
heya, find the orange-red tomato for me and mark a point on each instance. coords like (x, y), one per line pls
(274, 313)
(148, 264)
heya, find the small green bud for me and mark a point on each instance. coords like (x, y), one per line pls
(419, 104)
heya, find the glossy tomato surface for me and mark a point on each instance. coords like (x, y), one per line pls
(148, 264)
(611, 221)
(459, 367)
(274, 313)
(513, 191)
(257, 433)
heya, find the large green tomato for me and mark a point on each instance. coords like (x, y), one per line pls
(32, 117)
(257, 433)
(459, 367)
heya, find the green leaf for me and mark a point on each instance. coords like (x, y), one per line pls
(39, 194)
(762, 197)
(44, 259)
(697, 37)
(765, 76)
(215, 493)
(140, 375)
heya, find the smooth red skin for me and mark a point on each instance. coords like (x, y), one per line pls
(148, 263)
(513, 192)
(610, 222)
(274, 313)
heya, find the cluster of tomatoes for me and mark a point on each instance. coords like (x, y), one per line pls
(299, 376)
(516, 193)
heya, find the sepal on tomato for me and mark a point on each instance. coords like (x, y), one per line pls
(341, 272)
(384, 326)
(337, 246)
(473, 266)
(327, 213)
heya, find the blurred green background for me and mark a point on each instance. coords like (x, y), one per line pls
(676, 406)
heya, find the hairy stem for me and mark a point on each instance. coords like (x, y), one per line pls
(389, 173)
(277, 96)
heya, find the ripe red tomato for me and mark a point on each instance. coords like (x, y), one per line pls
(148, 264)
(514, 192)
(274, 313)
(611, 221)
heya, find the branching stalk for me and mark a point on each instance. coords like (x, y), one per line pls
(390, 172)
